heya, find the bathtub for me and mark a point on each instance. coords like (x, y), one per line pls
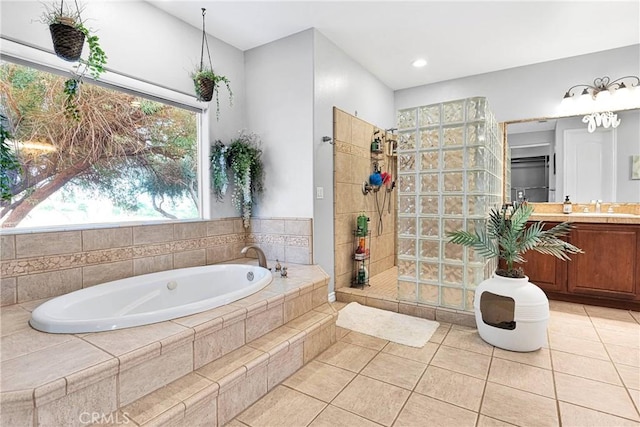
(149, 298)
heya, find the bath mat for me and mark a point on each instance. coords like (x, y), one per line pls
(399, 328)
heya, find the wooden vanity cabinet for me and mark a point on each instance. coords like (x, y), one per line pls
(607, 274)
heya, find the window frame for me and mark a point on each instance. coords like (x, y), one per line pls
(40, 59)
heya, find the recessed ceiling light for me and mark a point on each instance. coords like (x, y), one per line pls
(419, 63)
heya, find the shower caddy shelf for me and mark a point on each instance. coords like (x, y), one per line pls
(357, 281)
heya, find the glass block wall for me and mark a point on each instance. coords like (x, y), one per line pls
(450, 171)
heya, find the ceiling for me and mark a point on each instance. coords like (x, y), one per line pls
(458, 38)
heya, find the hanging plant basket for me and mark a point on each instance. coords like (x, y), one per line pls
(205, 81)
(67, 41)
(204, 87)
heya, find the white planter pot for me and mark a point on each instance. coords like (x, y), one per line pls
(511, 313)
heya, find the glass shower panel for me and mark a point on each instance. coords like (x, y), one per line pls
(450, 175)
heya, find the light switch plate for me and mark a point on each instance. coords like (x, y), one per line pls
(319, 192)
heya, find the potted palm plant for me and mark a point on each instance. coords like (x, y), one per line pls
(510, 311)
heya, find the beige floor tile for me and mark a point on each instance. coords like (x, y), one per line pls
(582, 330)
(523, 377)
(395, 370)
(596, 312)
(635, 315)
(635, 396)
(363, 340)
(440, 333)
(347, 356)
(333, 416)
(577, 416)
(624, 354)
(462, 361)
(626, 324)
(626, 338)
(579, 346)
(467, 339)
(320, 380)
(586, 367)
(484, 421)
(566, 307)
(518, 407)
(562, 318)
(422, 354)
(372, 399)
(630, 375)
(540, 358)
(600, 396)
(452, 387)
(235, 423)
(339, 305)
(423, 411)
(282, 406)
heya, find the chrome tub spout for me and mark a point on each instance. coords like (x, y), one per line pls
(262, 260)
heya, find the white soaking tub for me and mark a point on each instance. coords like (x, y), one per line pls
(149, 298)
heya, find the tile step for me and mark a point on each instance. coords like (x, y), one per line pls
(218, 391)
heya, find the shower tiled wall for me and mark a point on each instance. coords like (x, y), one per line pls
(352, 167)
(450, 175)
(38, 265)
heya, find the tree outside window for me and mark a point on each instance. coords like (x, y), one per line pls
(127, 158)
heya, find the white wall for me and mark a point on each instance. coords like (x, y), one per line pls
(527, 92)
(279, 99)
(343, 83)
(146, 43)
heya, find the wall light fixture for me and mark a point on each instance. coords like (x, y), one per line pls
(599, 99)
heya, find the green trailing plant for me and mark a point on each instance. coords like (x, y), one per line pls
(207, 85)
(244, 160)
(95, 62)
(219, 175)
(508, 238)
(9, 165)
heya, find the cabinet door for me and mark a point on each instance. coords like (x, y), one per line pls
(610, 262)
(546, 271)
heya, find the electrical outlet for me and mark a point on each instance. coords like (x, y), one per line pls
(319, 192)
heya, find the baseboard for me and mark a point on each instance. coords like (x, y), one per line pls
(332, 297)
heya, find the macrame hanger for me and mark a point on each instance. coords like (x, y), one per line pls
(204, 41)
(77, 8)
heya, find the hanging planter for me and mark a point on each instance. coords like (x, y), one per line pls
(205, 81)
(69, 34)
(67, 39)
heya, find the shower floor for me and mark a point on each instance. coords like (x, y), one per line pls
(383, 293)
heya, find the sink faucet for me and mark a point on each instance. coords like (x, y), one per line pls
(262, 260)
(598, 202)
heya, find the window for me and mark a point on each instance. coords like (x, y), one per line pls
(127, 158)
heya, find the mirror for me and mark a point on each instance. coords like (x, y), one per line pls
(556, 157)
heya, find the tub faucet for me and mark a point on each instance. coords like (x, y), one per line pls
(262, 260)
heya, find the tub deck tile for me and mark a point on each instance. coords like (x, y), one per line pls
(49, 364)
(126, 340)
(42, 369)
(206, 316)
